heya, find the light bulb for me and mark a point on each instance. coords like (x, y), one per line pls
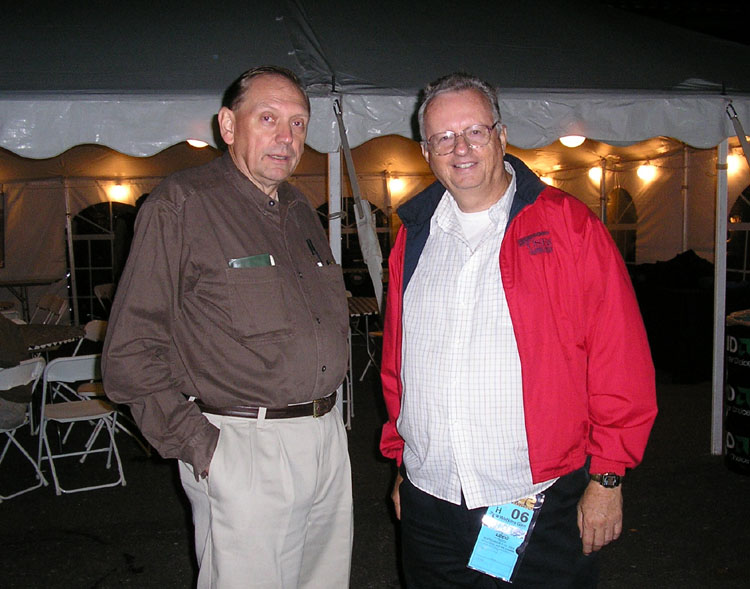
(646, 172)
(396, 185)
(572, 140)
(733, 163)
(118, 192)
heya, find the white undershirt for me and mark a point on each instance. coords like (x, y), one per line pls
(473, 225)
(462, 416)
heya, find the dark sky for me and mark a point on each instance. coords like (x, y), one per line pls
(729, 20)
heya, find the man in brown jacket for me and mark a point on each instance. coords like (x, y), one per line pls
(227, 338)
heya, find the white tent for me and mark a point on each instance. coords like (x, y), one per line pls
(141, 77)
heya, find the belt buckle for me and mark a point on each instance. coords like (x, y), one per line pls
(317, 408)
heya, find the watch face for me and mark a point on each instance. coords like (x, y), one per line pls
(608, 479)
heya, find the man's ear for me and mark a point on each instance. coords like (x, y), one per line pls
(226, 125)
(503, 134)
(425, 151)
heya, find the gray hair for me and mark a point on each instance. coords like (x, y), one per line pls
(456, 82)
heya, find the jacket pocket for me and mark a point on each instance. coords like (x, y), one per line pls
(258, 307)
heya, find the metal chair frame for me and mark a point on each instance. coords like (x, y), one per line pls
(61, 373)
(29, 371)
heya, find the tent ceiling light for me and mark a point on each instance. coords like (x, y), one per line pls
(118, 192)
(197, 143)
(595, 174)
(547, 180)
(572, 140)
(646, 172)
(734, 162)
(396, 185)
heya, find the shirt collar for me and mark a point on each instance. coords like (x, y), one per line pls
(244, 185)
(498, 212)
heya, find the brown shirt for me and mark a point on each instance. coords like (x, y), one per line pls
(185, 323)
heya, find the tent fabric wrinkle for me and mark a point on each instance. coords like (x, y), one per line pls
(739, 131)
(366, 232)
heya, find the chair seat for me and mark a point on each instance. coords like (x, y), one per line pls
(91, 389)
(78, 410)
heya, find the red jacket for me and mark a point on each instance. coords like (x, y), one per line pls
(588, 378)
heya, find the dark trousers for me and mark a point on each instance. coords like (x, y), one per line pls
(437, 538)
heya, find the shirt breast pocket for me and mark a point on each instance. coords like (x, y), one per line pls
(257, 304)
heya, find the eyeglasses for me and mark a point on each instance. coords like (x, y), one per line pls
(475, 136)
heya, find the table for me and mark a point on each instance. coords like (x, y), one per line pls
(359, 307)
(363, 306)
(19, 288)
(39, 338)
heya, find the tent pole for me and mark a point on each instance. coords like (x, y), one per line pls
(334, 204)
(685, 164)
(71, 259)
(603, 192)
(334, 239)
(720, 279)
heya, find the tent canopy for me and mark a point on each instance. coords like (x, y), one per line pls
(140, 77)
(149, 76)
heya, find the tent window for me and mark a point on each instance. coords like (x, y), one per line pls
(738, 227)
(101, 238)
(621, 222)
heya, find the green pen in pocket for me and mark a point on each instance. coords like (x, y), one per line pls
(252, 261)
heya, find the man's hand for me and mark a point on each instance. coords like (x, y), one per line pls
(396, 496)
(599, 516)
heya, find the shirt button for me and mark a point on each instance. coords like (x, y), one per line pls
(323, 369)
(318, 320)
(299, 274)
(271, 203)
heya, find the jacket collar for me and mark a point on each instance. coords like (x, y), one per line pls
(420, 209)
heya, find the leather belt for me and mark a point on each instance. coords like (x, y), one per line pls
(316, 408)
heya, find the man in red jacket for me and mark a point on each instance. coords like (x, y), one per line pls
(516, 369)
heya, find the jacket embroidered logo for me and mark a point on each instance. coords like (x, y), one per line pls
(537, 243)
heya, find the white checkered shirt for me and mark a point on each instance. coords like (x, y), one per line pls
(462, 414)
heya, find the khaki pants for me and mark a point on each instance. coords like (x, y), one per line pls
(276, 508)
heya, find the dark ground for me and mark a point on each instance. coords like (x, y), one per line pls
(687, 517)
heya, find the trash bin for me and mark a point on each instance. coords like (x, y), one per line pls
(737, 393)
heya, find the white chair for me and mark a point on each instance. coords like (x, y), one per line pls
(28, 372)
(104, 294)
(49, 309)
(94, 331)
(63, 373)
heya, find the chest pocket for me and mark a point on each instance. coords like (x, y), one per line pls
(258, 308)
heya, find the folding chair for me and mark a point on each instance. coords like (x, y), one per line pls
(94, 331)
(29, 371)
(49, 309)
(63, 373)
(104, 294)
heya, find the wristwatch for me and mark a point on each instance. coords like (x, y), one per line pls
(609, 480)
